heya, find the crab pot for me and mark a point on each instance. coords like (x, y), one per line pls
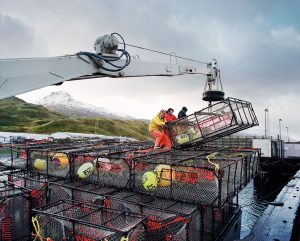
(107, 170)
(53, 158)
(165, 218)
(250, 163)
(229, 174)
(14, 213)
(231, 142)
(78, 190)
(247, 162)
(86, 221)
(194, 179)
(35, 183)
(171, 175)
(170, 217)
(49, 163)
(13, 155)
(251, 166)
(214, 219)
(109, 166)
(218, 120)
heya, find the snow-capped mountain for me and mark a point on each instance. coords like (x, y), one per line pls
(63, 103)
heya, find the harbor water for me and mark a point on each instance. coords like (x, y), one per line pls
(255, 197)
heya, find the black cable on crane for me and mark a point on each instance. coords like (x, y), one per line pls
(98, 58)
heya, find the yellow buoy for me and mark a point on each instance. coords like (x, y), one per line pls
(165, 175)
(149, 181)
(60, 160)
(181, 139)
(40, 164)
(85, 170)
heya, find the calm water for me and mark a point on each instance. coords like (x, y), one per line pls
(254, 199)
(252, 208)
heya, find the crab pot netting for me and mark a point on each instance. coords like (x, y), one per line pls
(199, 178)
(36, 184)
(229, 171)
(251, 166)
(231, 142)
(166, 219)
(47, 157)
(251, 156)
(249, 163)
(45, 162)
(58, 229)
(78, 190)
(214, 219)
(54, 162)
(82, 220)
(173, 220)
(57, 161)
(218, 120)
(111, 171)
(13, 156)
(110, 166)
(14, 213)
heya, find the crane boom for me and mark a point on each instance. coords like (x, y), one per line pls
(18, 76)
(22, 75)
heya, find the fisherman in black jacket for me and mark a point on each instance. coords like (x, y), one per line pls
(182, 113)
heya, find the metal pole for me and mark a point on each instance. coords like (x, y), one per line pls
(266, 110)
(287, 133)
(280, 129)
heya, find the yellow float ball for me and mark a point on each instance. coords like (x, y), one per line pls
(149, 181)
(40, 164)
(181, 139)
(60, 160)
(85, 170)
(165, 175)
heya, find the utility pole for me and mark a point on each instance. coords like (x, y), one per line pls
(266, 111)
(280, 120)
(287, 133)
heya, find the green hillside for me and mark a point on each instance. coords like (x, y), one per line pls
(18, 116)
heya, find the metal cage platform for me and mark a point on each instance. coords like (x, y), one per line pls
(218, 120)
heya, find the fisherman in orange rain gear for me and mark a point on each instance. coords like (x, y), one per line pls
(156, 129)
(169, 116)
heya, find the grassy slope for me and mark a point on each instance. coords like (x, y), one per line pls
(18, 116)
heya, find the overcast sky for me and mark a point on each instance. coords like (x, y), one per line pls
(256, 43)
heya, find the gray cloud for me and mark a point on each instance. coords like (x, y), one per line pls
(18, 39)
(257, 44)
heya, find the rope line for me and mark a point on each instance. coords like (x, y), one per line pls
(37, 229)
(160, 52)
(212, 156)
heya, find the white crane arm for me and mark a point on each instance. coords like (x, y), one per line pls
(18, 76)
